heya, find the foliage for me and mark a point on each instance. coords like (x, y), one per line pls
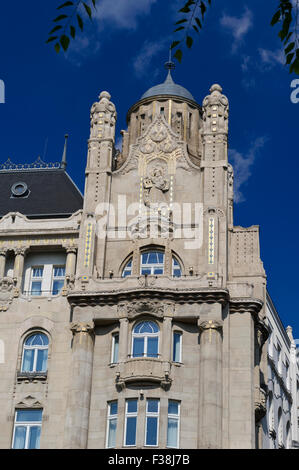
(193, 14)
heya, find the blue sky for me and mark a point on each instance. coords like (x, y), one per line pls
(123, 52)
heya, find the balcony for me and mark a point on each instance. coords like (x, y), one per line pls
(143, 370)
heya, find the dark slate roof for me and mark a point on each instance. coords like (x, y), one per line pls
(168, 88)
(51, 193)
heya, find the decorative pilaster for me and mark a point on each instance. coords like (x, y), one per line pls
(2, 262)
(78, 403)
(70, 261)
(210, 380)
(123, 339)
(166, 353)
(19, 265)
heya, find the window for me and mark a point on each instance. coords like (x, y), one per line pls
(145, 341)
(288, 382)
(35, 353)
(111, 424)
(280, 428)
(152, 262)
(131, 422)
(176, 268)
(173, 423)
(36, 280)
(27, 429)
(279, 364)
(128, 269)
(115, 348)
(152, 422)
(177, 347)
(58, 279)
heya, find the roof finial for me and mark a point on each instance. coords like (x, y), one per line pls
(169, 65)
(63, 160)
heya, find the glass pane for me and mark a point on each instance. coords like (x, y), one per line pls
(176, 347)
(172, 433)
(132, 406)
(59, 271)
(34, 437)
(146, 271)
(152, 346)
(112, 433)
(177, 273)
(42, 358)
(57, 286)
(131, 431)
(115, 348)
(146, 327)
(29, 415)
(158, 270)
(37, 272)
(113, 408)
(153, 258)
(20, 437)
(36, 287)
(151, 431)
(37, 340)
(138, 347)
(173, 407)
(152, 405)
(28, 359)
(161, 258)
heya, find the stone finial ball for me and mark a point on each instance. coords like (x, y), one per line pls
(105, 94)
(216, 87)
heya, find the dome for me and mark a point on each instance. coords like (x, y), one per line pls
(168, 88)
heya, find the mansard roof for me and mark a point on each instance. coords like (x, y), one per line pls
(168, 87)
(38, 190)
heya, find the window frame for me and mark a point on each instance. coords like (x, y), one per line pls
(176, 417)
(114, 335)
(27, 425)
(36, 279)
(145, 336)
(36, 348)
(152, 414)
(130, 415)
(152, 266)
(110, 418)
(180, 334)
(57, 278)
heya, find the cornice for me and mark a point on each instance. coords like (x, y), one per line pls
(244, 304)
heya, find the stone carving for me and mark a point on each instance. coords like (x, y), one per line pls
(260, 401)
(102, 117)
(82, 327)
(215, 111)
(155, 186)
(7, 292)
(145, 306)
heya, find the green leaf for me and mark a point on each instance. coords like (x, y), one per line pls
(55, 28)
(198, 22)
(80, 22)
(185, 10)
(196, 28)
(57, 47)
(189, 41)
(289, 48)
(275, 18)
(295, 66)
(52, 38)
(290, 58)
(178, 55)
(174, 44)
(203, 8)
(64, 41)
(179, 29)
(181, 21)
(94, 3)
(60, 17)
(88, 9)
(66, 4)
(73, 31)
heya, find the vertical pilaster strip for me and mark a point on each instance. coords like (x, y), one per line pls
(210, 380)
(2, 262)
(123, 339)
(19, 265)
(78, 402)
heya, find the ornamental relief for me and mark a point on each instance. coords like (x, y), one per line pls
(7, 292)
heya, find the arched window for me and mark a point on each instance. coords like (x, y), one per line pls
(35, 353)
(152, 263)
(145, 339)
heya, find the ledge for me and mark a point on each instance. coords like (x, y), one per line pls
(32, 376)
(143, 370)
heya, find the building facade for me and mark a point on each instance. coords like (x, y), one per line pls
(135, 317)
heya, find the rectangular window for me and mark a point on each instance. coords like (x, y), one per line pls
(173, 424)
(152, 422)
(177, 347)
(131, 422)
(58, 279)
(27, 429)
(36, 280)
(115, 348)
(111, 424)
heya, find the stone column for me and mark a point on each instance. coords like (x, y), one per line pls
(166, 352)
(19, 265)
(70, 261)
(78, 402)
(2, 262)
(123, 339)
(210, 384)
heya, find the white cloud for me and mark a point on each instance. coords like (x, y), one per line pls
(80, 48)
(238, 27)
(242, 166)
(122, 14)
(148, 51)
(271, 58)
